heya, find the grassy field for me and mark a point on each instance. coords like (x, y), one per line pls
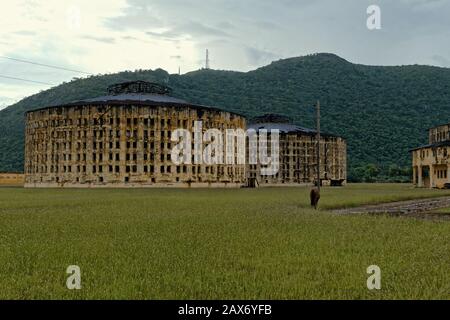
(217, 244)
(444, 210)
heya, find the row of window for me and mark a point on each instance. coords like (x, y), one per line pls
(100, 121)
(441, 174)
(102, 179)
(117, 121)
(441, 136)
(99, 134)
(134, 169)
(112, 157)
(439, 151)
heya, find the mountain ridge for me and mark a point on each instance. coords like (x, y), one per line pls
(382, 111)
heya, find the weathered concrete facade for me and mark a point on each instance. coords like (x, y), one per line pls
(298, 156)
(431, 163)
(125, 140)
(122, 140)
(11, 178)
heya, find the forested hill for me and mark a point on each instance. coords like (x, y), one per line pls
(381, 111)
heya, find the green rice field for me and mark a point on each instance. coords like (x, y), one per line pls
(218, 244)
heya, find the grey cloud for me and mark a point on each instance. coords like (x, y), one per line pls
(6, 101)
(166, 35)
(246, 34)
(214, 43)
(266, 25)
(25, 33)
(135, 16)
(258, 57)
(225, 25)
(424, 4)
(199, 29)
(441, 61)
(191, 29)
(180, 18)
(108, 40)
(46, 51)
(129, 38)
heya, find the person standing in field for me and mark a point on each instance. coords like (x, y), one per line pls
(314, 197)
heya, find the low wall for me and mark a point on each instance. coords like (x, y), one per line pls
(134, 185)
(12, 179)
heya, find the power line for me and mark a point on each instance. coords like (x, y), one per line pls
(27, 80)
(45, 65)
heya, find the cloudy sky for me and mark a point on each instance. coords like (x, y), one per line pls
(101, 36)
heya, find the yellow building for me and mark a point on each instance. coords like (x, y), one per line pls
(431, 163)
(122, 140)
(11, 178)
(298, 155)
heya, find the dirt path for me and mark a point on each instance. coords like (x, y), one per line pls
(420, 208)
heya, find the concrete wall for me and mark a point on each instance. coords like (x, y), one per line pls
(120, 146)
(431, 167)
(12, 179)
(298, 161)
(438, 134)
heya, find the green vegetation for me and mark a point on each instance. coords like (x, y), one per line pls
(205, 244)
(444, 211)
(381, 111)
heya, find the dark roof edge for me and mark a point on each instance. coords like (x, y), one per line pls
(307, 132)
(439, 125)
(136, 103)
(322, 134)
(432, 145)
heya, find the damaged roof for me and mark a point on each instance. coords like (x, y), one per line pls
(283, 123)
(136, 93)
(433, 145)
(286, 128)
(135, 97)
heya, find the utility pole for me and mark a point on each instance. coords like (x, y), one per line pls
(207, 60)
(318, 144)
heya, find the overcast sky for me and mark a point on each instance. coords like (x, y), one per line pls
(100, 36)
